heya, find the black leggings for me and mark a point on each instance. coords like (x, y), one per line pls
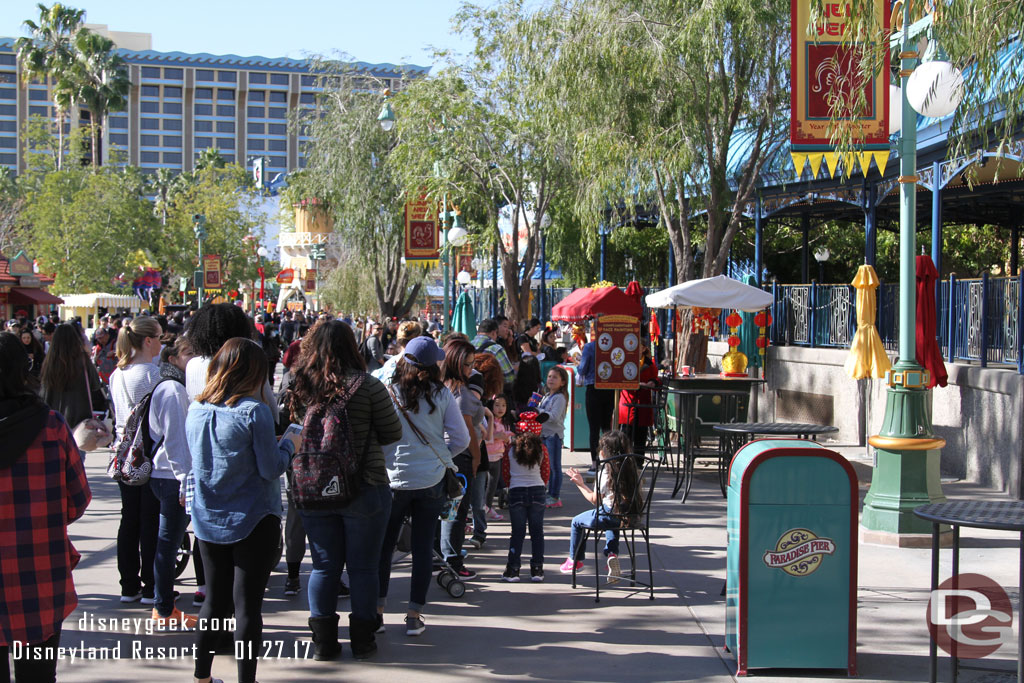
(33, 666)
(136, 539)
(600, 404)
(243, 569)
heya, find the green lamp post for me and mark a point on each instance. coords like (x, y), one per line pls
(199, 228)
(906, 471)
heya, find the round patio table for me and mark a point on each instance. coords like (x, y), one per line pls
(735, 434)
(1001, 515)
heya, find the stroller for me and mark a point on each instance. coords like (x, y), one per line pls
(446, 577)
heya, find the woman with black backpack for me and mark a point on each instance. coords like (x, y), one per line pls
(331, 385)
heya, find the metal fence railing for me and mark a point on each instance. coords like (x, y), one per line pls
(979, 319)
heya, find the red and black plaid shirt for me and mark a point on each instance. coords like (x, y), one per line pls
(40, 494)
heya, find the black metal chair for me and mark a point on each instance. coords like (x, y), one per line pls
(634, 478)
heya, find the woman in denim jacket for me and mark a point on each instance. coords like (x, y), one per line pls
(236, 510)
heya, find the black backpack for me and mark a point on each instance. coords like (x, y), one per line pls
(132, 462)
(326, 473)
(364, 349)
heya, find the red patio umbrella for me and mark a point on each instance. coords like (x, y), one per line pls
(588, 302)
(928, 354)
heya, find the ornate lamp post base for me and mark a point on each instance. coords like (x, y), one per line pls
(906, 472)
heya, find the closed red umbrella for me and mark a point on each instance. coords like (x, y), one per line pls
(928, 353)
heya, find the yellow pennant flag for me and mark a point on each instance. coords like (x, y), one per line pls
(865, 162)
(799, 160)
(832, 160)
(815, 164)
(881, 158)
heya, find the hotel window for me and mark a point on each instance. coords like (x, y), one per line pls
(8, 94)
(149, 124)
(150, 72)
(119, 139)
(6, 77)
(277, 113)
(279, 79)
(254, 144)
(9, 143)
(223, 94)
(204, 126)
(172, 157)
(227, 76)
(9, 126)
(277, 129)
(149, 140)
(118, 122)
(255, 112)
(8, 59)
(226, 143)
(308, 81)
(150, 91)
(307, 98)
(172, 141)
(279, 162)
(172, 91)
(278, 96)
(9, 159)
(225, 126)
(204, 110)
(149, 107)
(149, 157)
(172, 124)
(204, 75)
(38, 95)
(38, 111)
(277, 145)
(255, 128)
(172, 107)
(204, 93)
(12, 110)
(228, 158)
(225, 110)
(257, 95)
(174, 74)
(204, 142)
(257, 78)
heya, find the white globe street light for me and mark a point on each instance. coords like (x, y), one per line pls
(458, 235)
(936, 87)
(464, 278)
(262, 252)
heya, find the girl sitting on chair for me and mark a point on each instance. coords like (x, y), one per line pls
(615, 482)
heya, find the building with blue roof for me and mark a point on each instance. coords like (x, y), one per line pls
(181, 104)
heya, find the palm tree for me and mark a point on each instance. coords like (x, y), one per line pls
(165, 184)
(209, 158)
(103, 83)
(50, 52)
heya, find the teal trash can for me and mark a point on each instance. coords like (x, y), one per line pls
(791, 565)
(577, 429)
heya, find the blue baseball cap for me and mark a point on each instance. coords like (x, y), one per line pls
(423, 352)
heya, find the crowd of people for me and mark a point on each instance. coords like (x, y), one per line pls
(387, 410)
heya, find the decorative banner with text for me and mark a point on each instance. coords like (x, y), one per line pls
(211, 272)
(464, 260)
(617, 352)
(422, 246)
(310, 280)
(825, 77)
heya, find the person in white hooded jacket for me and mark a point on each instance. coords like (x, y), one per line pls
(172, 462)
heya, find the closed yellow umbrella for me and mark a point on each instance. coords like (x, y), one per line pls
(867, 355)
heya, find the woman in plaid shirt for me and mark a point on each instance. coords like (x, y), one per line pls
(39, 457)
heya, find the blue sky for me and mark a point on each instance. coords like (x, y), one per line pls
(393, 31)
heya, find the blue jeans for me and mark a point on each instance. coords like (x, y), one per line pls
(586, 519)
(352, 537)
(526, 506)
(480, 505)
(173, 521)
(423, 507)
(454, 533)
(554, 445)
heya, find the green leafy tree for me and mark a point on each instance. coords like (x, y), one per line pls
(490, 134)
(84, 226)
(347, 171)
(49, 52)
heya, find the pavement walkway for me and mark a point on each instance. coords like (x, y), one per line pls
(544, 631)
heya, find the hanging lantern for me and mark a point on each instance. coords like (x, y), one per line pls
(734, 320)
(763, 319)
(734, 341)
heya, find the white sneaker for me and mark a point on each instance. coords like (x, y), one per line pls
(131, 598)
(614, 570)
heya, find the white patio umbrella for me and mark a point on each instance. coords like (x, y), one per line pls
(712, 292)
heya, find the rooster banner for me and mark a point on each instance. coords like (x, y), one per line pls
(826, 77)
(211, 272)
(422, 247)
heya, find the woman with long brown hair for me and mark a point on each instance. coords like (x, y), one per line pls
(330, 376)
(457, 369)
(69, 380)
(236, 510)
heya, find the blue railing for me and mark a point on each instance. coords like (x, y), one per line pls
(979, 320)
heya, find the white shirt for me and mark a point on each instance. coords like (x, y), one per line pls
(172, 459)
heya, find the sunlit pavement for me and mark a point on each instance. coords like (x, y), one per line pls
(542, 631)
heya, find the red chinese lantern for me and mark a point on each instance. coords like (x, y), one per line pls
(763, 319)
(761, 342)
(734, 341)
(734, 320)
